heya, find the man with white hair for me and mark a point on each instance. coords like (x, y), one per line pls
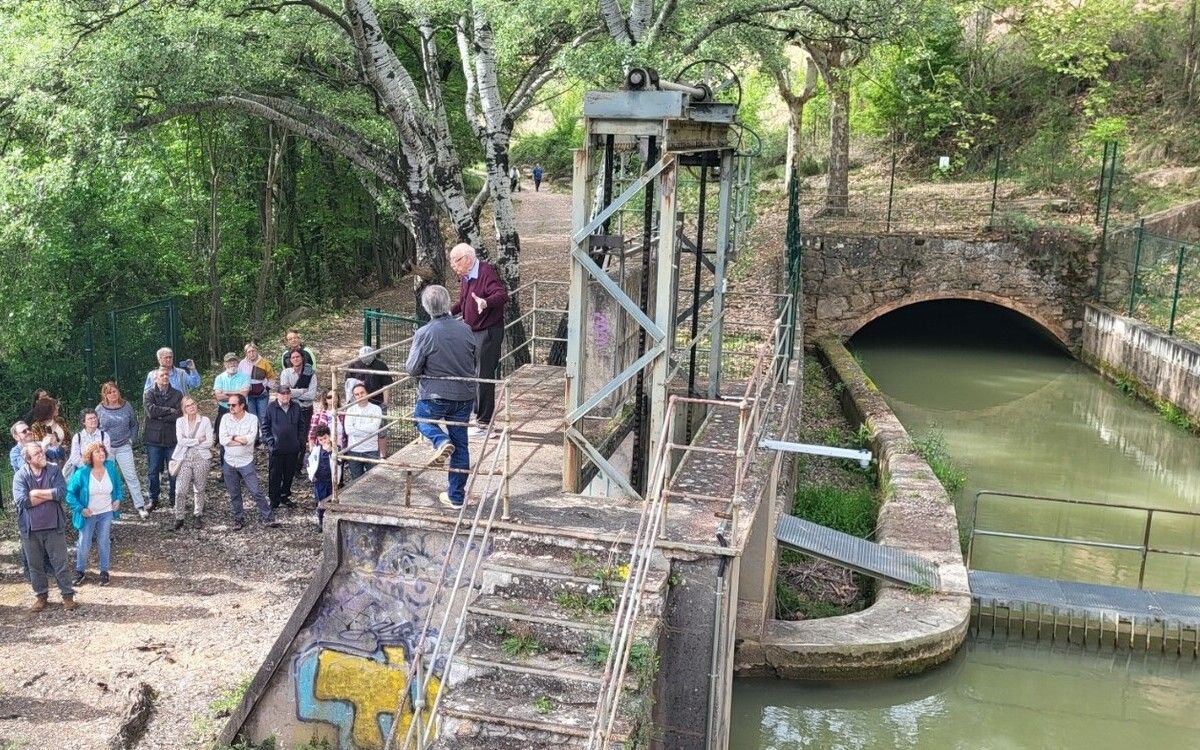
(181, 379)
(481, 299)
(442, 354)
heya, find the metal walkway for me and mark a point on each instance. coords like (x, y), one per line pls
(1009, 590)
(859, 555)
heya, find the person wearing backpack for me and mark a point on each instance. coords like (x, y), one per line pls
(91, 433)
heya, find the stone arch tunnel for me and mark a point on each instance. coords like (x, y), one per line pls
(850, 281)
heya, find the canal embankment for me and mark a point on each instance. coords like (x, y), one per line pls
(1143, 359)
(905, 630)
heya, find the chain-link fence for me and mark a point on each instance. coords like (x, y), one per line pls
(116, 345)
(1154, 278)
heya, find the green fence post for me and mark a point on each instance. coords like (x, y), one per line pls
(1175, 297)
(366, 326)
(1100, 187)
(89, 353)
(1112, 173)
(995, 183)
(1137, 262)
(112, 324)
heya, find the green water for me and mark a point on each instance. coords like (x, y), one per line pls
(1018, 415)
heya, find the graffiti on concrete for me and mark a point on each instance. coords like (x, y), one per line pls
(352, 659)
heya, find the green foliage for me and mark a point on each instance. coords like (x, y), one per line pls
(851, 511)
(520, 644)
(643, 659)
(598, 604)
(1174, 415)
(932, 447)
(553, 147)
(1126, 385)
(543, 704)
(228, 701)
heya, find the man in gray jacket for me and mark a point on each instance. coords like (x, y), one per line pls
(442, 354)
(38, 494)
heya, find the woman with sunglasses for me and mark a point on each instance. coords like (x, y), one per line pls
(324, 408)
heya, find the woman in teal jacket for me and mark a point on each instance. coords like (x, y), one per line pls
(94, 495)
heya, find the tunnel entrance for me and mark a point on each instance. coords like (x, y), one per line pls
(960, 323)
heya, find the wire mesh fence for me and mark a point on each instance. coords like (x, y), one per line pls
(1154, 278)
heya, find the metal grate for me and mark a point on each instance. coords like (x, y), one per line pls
(859, 555)
(1007, 589)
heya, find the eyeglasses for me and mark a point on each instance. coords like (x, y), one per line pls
(23, 431)
(236, 405)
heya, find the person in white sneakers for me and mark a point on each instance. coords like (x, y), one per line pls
(238, 432)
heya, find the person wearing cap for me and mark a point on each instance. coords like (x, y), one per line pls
(226, 384)
(443, 357)
(284, 433)
(481, 301)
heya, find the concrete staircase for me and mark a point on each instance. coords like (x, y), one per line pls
(528, 675)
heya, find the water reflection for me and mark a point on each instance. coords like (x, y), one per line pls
(993, 694)
(1019, 415)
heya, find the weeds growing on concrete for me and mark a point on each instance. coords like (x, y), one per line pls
(520, 643)
(543, 704)
(1126, 385)
(1174, 414)
(932, 447)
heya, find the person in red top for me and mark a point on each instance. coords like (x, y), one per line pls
(481, 298)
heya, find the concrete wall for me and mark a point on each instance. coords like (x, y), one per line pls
(1163, 367)
(850, 281)
(1180, 221)
(337, 668)
(903, 632)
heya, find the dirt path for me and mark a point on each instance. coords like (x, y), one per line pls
(192, 614)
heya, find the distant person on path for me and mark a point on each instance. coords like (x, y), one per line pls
(225, 385)
(538, 173)
(323, 471)
(164, 405)
(94, 495)
(514, 179)
(262, 379)
(363, 422)
(119, 422)
(193, 451)
(38, 493)
(323, 410)
(481, 301)
(51, 430)
(293, 341)
(444, 348)
(90, 433)
(183, 378)
(302, 380)
(284, 432)
(238, 433)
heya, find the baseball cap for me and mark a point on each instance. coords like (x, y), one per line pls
(284, 389)
(364, 351)
(230, 356)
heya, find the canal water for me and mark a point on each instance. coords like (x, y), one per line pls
(1018, 415)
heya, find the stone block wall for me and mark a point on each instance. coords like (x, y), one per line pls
(851, 280)
(1163, 367)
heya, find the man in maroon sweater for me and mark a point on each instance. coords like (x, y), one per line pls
(481, 299)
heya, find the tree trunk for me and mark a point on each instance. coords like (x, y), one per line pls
(1190, 57)
(837, 192)
(269, 209)
(214, 246)
(796, 103)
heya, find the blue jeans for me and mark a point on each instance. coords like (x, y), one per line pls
(451, 411)
(158, 456)
(101, 526)
(257, 405)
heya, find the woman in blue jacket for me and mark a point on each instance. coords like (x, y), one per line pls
(94, 495)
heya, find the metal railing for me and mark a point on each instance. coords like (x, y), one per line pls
(1144, 549)
(772, 359)
(1154, 278)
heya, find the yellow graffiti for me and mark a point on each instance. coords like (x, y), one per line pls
(373, 689)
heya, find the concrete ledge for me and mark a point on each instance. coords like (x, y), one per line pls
(1161, 367)
(904, 631)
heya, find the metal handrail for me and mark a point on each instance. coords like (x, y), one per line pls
(1144, 548)
(418, 674)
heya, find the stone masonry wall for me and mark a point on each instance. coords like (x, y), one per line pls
(850, 281)
(1164, 367)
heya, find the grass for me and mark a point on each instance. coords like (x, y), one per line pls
(602, 603)
(543, 704)
(1174, 415)
(932, 447)
(643, 660)
(788, 601)
(1126, 385)
(520, 643)
(851, 511)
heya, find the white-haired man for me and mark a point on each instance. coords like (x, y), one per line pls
(442, 354)
(182, 378)
(481, 299)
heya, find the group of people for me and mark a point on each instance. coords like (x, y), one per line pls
(514, 178)
(90, 473)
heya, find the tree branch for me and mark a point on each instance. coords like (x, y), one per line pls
(274, 8)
